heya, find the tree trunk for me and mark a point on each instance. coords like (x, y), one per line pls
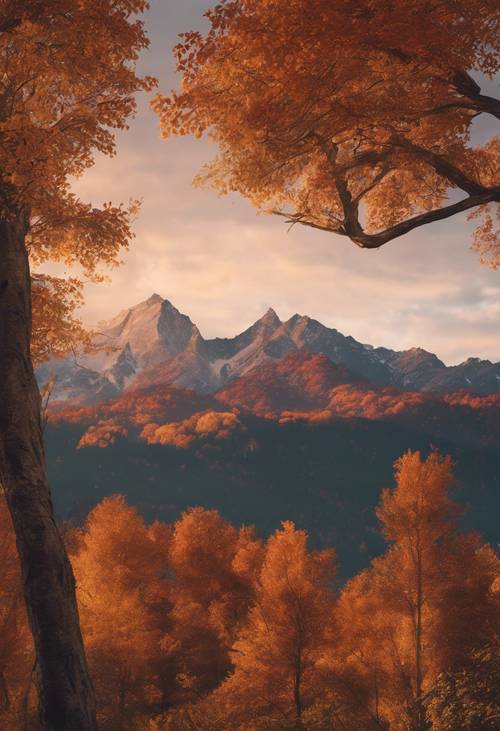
(66, 697)
(420, 722)
(297, 695)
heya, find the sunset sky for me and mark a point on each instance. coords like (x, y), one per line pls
(224, 265)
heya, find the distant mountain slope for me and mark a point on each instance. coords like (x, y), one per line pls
(309, 386)
(300, 381)
(154, 344)
(301, 387)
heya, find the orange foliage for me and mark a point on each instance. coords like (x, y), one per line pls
(473, 401)
(303, 386)
(102, 435)
(349, 401)
(134, 409)
(312, 417)
(360, 127)
(219, 425)
(203, 623)
(119, 565)
(423, 606)
(52, 121)
(55, 329)
(275, 675)
(215, 567)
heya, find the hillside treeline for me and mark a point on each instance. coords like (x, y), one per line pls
(201, 625)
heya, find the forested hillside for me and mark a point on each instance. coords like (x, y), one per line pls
(167, 450)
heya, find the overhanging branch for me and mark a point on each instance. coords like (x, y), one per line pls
(465, 84)
(441, 165)
(375, 241)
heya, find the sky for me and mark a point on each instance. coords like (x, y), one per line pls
(223, 264)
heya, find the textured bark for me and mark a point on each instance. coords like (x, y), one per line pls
(66, 698)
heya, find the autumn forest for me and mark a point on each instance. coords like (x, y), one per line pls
(290, 527)
(202, 625)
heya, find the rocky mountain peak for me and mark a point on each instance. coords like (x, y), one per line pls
(175, 330)
(270, 317)
(154, 343)
(476, 362)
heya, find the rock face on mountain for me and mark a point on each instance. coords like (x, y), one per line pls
(153, 343)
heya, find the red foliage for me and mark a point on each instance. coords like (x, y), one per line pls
(301, 387)
(135, 408)
(300, 381)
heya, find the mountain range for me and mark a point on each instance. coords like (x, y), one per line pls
(154, 344)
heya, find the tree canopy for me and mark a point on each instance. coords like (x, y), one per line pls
(59, 105)
(352, 118)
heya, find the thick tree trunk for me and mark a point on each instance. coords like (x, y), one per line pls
(66, 698)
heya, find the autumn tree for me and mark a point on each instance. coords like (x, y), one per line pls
(214, 567)
(67, 82)
(160, 606)
(426, 605)
(351, 118)
(120, 565)
(277, 650)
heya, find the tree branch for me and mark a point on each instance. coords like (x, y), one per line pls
(465, 84)
(441, 165)
(375, 241)
(8, 25)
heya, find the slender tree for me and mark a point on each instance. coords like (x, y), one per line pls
(352, 118)
(275, 656)
(422, 607)
(67, 81)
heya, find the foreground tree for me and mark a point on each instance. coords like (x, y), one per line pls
(120, 565)
(275, 676)
(211, 594)
(423, 607)
(67, 79)
(350, 118)
(16, 648)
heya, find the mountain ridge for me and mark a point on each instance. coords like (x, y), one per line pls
(153, 343)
